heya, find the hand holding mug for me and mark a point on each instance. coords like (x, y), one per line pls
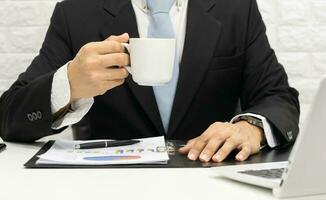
(93, 71)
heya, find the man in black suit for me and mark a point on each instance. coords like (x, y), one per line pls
(227, 67)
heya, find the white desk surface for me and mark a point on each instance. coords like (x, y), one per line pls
(92, 184)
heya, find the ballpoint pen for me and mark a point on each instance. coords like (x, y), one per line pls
(105, 144)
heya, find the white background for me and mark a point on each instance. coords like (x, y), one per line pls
(296, 30)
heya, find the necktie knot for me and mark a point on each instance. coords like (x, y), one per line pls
(160, 6)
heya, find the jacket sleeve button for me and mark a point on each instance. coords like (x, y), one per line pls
(39, 114)
(30, 117)
(34, 116)
(290, 135)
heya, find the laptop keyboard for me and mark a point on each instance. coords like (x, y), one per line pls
(265, 173)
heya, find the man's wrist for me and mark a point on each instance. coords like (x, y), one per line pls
(70, 79)
(60, 91)
(255, 130)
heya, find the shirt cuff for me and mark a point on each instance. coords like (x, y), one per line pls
(78, 110)
(270, 137)
(60, 93)
(60, 97)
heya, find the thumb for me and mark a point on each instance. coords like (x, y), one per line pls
(119, 38)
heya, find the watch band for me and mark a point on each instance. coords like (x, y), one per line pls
(251, 120)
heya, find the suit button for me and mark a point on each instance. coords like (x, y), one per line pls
(34, 116)
(30, 117)
(290, 135)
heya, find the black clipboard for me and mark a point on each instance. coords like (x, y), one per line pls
(176, 160)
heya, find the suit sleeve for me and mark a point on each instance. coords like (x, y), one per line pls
(266, 90)
(25, 109)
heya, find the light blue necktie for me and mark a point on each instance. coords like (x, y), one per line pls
(161, 27)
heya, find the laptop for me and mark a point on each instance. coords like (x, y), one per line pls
(305, 171)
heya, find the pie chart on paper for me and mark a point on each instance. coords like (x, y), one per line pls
(111, 158)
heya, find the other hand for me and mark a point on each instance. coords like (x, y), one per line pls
(220, 139)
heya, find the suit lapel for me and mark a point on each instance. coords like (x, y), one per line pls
(121, 19)
(202, 34)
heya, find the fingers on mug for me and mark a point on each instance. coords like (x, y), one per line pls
(127, 50)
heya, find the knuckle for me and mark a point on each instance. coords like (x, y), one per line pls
(220, 135)
(90, 62)
(87, 48)
(199, 144)
(224, 135)
(205, 136)
(219, 123)
(218, 138)
(116, 46)
(216, 124)
(190, 141)
(112, 37)
(232, 140)
(201, 140)
(123, 73)
(97, 62)
(218, 127)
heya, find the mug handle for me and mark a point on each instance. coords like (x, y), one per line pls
(127, 48)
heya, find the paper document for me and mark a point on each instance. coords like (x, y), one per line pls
(149, 150)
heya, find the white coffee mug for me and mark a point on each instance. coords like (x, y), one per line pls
(151, 60)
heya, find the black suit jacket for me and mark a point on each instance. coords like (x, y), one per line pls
(227, 67)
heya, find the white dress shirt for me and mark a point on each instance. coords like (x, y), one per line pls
(60, 94)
